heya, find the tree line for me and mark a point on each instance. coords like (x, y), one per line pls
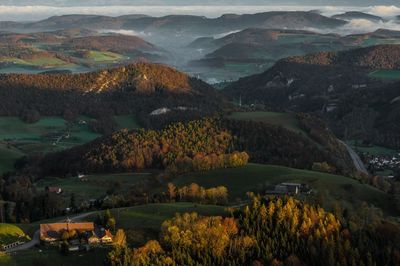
(269, 231)
(195, 146)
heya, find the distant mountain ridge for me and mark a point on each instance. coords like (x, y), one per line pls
(183, 23)
(357, 15)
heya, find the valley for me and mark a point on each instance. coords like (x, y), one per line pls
(242, 139)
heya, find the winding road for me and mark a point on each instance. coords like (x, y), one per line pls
(36, 236)
(356, 159)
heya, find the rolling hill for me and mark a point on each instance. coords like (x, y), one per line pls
(75, 49)
(335, 86)
(116, 43)
(140, 77)
(186, 25)
(139, 89)
(357, 15)
(374, 57)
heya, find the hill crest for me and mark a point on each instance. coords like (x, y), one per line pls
(139, 77)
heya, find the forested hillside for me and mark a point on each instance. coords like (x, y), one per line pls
(270, 231)
(203, 145)
(140, 77)
(134, 89)
(335, 86)
(374, 57)
(198, 145)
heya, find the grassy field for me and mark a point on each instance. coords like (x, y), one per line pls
(126, 121)
(51, 256)
(153, 215)
(376, 41)
(8, 156)
(143, 223)
(386, 74)
(41, 62)
(96, 185)
(14, 128)
(285, 120)
(373, 150)
(98, 56)
(49, 134)
(10, 233)
(254, 177)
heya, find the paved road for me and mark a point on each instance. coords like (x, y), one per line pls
(36, 236)
(356, 159)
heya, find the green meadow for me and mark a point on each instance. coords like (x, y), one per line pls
(93, 186)
(386, 74)
(255, 177)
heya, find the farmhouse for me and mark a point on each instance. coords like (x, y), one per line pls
(53, 232)
(100, 236)
(290, 188)
(55, 190)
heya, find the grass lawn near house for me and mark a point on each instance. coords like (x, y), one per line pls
(143, 223)
(50, 256)
(151, 216)
(10, 233)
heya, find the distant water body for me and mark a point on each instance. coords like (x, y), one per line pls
(25, 13)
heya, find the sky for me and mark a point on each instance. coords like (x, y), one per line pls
(29, 10)
(196, 2)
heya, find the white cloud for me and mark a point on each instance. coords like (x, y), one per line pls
(385, 11)
(123, 32)
(221, 35)
(364, 26)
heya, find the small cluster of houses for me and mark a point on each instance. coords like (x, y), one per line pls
(290, 189)
(80, 236)
(382, 163)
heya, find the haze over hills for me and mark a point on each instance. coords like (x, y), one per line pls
(199, 133)
(185, 23)
(357, 15)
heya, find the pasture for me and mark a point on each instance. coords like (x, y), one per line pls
(386, 74)
(10, 233)
(126, 121)
(93, 186)
(255, 178)
(49, 134)
(38, 62)
(373, 150)
(49, 256)
(98, 56)
(151, 216)
(142, 223)
(285, 120)
(8, 156)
